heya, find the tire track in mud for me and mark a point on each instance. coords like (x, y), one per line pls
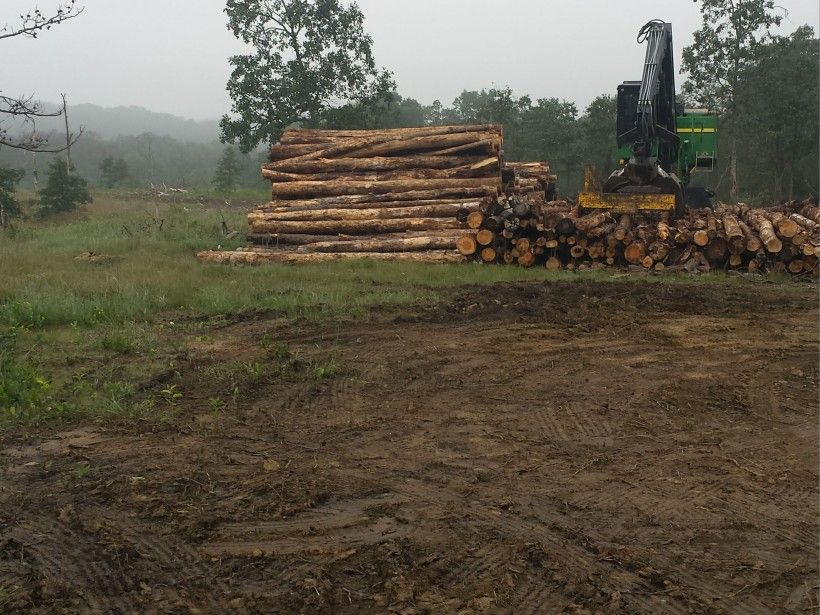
(331, 528)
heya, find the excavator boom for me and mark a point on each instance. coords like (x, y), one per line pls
(647, 126)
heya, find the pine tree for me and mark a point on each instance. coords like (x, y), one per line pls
(227, 171)
(63, 191)
(9, 206)
(114, 171)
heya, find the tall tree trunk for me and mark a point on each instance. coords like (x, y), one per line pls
(67, 137)
(733, 188)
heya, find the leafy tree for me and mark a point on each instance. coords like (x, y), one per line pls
(597, 134)
(63, 191)
(493, 106)
(548, 131)
(307, 56)
(777, 117)
(9, 207)
(227, 172)
(727, 44)
(114, 171)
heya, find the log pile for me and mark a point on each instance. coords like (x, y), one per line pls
(442, 194)
(529, 178)
(377, 193)
(532, 232)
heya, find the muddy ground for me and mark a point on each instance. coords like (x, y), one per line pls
(521, 448)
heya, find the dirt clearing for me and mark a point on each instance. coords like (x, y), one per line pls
(524, 448)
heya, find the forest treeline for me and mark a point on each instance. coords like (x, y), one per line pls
(772, 126)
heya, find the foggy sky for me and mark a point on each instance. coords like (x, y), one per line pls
(171, 55)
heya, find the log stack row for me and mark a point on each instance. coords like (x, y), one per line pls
(393, 194)
(529, 178)
(530, 232)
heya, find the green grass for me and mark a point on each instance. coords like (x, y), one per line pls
(154, 271)
(82, 339)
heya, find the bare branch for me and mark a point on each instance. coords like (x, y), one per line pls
(34, 22)
(24, 106)
(37, 143)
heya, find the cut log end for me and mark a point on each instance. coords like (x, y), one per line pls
(467, 245)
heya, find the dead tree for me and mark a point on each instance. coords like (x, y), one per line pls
(25, 109)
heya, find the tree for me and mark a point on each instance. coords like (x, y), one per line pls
(9, 207)
(777, 117)
(493, 106)
(227, 171)
(25, 110)
(597, 134)
(63, 191)
(114, 171)
(308, 56)
(728, 43)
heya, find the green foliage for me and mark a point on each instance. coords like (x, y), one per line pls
(114, 171)
(306, 54)
(227, 171)
(63, 191)
(728, 43)
(9, 206)
(22, 388)
(777, 118)
(597, 125)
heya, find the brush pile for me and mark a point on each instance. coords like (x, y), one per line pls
(529, 232)
(400, 194)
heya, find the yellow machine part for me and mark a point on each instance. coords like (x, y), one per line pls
(626, 203)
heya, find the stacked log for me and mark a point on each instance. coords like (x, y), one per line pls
(555, 234)
(379, 193)
(529, 178)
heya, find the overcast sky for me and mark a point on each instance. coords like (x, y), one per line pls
(171, 55)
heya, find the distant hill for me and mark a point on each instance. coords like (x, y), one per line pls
(113, 122)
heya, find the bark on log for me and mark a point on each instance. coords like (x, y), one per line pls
(367, 201)
(281, 256)
(358, 227)
(427, 211)
(753, 243)
(285, 206)
(624, 226)
(371, 147)
(766, 231)
(308, 135)
(734, 234)
(377, 164)
(411, 244)
(302, 190)
(590, 221)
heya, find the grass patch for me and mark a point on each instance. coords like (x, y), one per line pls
(78, 337)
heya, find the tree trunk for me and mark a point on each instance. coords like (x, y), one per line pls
(734, 189)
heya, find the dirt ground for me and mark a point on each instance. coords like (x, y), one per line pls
(522, 448)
